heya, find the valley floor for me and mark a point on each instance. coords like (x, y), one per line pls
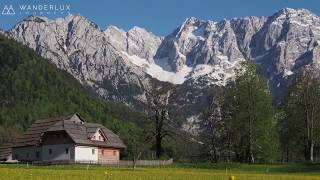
(175, 171)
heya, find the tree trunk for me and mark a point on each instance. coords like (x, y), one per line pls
(249, 154)
(214, 154)
(134, 160)
(158, 145)
(309, 151)
(287, 154)
(133, 164)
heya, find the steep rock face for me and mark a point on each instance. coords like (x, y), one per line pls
(282, 43)
(137, 41)
(78, 46)
(244, 29)
(197, 58)
(212, 49)
(286, 43)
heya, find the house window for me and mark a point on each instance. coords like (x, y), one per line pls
(50, 151)
(67, 150)
(100, 138)
(27, 155)
(93, 151)
(114, 153)
(16, 156)
(94, 137)
(102, 152)
(37, 154)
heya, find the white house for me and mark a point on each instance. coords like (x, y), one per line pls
(67, 138)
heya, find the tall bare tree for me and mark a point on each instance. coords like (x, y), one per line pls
(158, 104)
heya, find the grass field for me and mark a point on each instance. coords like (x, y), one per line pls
(175, 171)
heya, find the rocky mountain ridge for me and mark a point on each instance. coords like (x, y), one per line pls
(198, 57)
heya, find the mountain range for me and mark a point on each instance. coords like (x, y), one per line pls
(198, 57)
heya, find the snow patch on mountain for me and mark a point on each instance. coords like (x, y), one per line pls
(158, 72)
(287, 73)
(221, 73)
(137, 41)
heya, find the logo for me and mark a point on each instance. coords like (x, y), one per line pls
(8, 10)
(36, 9)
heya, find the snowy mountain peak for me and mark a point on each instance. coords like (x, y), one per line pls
(192, 21)
(74, 16)
(39, 19)
(197, 51)
(138, 29)
(80, 20)
(288, 14)
(62, 24)
(137, 41)
(199, 55)
(193, 25)
(290, 11)
(114, 28)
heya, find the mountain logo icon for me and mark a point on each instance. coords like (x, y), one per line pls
(8, 10)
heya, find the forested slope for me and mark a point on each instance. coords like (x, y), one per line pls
(32, 88)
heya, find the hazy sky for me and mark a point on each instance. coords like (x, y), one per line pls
(158, 16)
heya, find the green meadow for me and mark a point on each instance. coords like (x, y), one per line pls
(175, 171)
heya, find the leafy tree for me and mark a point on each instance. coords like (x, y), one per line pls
(300, 125)
(251, 127)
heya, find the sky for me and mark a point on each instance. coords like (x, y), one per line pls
(158, 16)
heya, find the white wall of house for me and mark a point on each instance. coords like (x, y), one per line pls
(29, 153)
(57, 152)
(86, 153)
